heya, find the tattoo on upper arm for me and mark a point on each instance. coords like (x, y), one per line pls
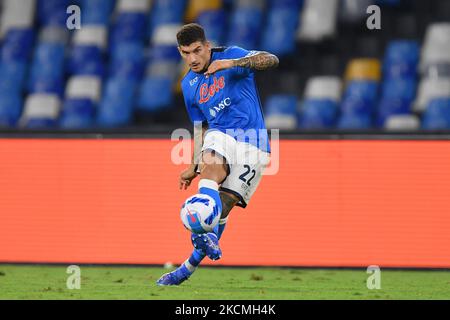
(259, 61)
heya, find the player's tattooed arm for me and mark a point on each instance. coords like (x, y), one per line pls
(262, 60)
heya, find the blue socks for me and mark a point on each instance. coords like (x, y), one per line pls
(210, 188)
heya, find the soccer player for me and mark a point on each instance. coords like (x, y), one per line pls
(231, 147)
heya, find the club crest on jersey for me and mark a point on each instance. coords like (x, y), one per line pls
(207, 92)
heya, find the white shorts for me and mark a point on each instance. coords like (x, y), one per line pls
(246, 164)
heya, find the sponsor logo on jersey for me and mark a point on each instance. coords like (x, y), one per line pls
(222, 105)
(193, 81)
(207, 92)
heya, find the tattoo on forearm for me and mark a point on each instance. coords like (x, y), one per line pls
(260, 61)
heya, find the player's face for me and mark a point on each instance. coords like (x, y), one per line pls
(196, 55)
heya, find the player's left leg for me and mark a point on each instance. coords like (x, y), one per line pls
(228, 202)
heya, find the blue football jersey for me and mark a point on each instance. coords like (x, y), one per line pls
(228, 100)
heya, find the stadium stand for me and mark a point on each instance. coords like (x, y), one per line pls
(125, 52)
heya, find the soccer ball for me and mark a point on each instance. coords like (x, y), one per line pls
(200, 214)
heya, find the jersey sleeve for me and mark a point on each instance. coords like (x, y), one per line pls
(236, 52)
(195, 114)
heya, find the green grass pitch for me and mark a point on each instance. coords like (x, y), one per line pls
(124, 282)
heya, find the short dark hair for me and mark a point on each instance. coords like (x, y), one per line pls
(190, 33)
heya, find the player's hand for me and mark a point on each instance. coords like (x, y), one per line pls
(218, 65)
(186, 178)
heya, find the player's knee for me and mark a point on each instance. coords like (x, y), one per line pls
(213, 167)
(228, 202)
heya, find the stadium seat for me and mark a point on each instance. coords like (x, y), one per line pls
(363, 69)
(77, 114)
(355, 122)
(245, 28)
(82, 96)
(91, 35)
(52, 34)
(404, 89)
(196, 7)
(166, 12)
(17, 45)
(402, 123)
(40, 111)
(53, 12)
(12, 77)
(279, 33)
(430, 89)
(401, 59)
(436, 45)
(213, 22)
(86, 60)
(281, 112)
(127, 61)
(97, 11)
(47, 70)
(16, 15)
(155, 93)
(362, 90)
(129, 26)
(10, 108)
(390, 107)
(80, 87)
(324, 87)
(116, 107)
(165, 35)
(318, 114)
(437, 114)
(318, 20)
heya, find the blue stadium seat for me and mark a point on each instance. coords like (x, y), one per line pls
(357, 106)
(10, 109)
(354, 122)
(294, 5)
(389, 107)
(279, 34)
(129, 27)
(47, 70)
(116, 107)
(245, 28)
(17, 45)
(437, 115)
(160, 53)
(53, 12)
(165, 12)
(401, 59)
(77, 114)
(213, 22)
(362, 90)
(404, 89)
(96, 11)
(128, 61)
(281, 104)
(155, 93)
(12, 77)
(86, 60)
(318, 114)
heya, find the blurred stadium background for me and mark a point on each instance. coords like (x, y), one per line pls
(86, 117)
(122, 69)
